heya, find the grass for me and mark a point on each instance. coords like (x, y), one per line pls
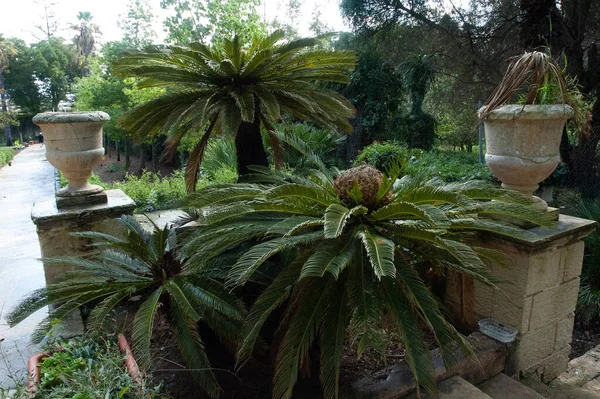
(6, 155)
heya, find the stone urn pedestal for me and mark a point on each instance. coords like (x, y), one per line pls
(523, 145)
(74, 146)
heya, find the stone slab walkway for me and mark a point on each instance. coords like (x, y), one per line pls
(29, 178)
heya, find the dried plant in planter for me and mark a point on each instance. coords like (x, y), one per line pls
(539, 71)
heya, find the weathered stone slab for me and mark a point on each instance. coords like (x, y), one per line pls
(454, 388)
(397, 380)
(503, 387)
(582, 370)
(92, 199)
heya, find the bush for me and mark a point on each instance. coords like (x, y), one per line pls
(450, 166)
(382, 155)
(153, 192)
(6, 155)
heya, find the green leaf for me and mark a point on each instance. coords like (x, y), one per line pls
(380, 252)
(396, 209)
(143, 323)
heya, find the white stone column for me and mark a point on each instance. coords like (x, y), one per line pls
(538, 294)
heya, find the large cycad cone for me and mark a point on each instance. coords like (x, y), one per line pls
(369, 180)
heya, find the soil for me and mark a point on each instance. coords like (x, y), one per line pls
(584, 338)
(110, 170)
(254, 380)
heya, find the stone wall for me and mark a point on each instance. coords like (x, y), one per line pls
(54, 227)
(537, 295)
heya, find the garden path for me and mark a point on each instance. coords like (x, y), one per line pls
(29, 178)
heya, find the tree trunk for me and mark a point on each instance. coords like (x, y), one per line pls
(154, 157)
(118, 150)
(108, 151)
(7, 134)
(583, 159)
(127, 153)
(249, 147)
(142, 158)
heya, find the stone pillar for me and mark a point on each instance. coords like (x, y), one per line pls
(537, 295)
(55, 225)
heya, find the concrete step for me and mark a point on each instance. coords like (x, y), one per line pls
(454, 388)
(503, 387)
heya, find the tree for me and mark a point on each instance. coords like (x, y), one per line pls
(49, 25)
(376, 90)
(54, 69)
(212, 20)
(20, 79)
(137, 24)
(351, 258)
(7, 49)
(236, 88)
(85, 39)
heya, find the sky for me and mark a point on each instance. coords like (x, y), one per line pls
(19, 17)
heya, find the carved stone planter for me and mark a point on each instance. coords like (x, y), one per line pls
(74, 146)
(523, 145)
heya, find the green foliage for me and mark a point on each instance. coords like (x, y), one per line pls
(588, 303)
(6, 155)
(19, 78)
(54, 68)
(144, 264)
(323, 142)
(376, 89)
(384, 155)
(449, 166)
(416, 130)
(85, 368)
(152, 192)
(8, 118)
(220, 159)
(212, 20)
(353, 266)
(235, 88)
(137, 24)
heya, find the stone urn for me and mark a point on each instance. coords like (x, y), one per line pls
(523, 145)
(74, 146)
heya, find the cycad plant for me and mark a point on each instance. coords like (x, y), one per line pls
(144, 264)
(236, 88)
(358, 239)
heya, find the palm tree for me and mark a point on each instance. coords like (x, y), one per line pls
(85, 38)
(359, 240)
(236, 88)
(142, 264)
(6, 50)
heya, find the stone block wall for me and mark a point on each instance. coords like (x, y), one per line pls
(537, 295)
(54, 227)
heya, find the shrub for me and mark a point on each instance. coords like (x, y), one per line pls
(152, 192)
(147, 265)
(6, 155)
(353, 270)
(383, 155)
(449, 166)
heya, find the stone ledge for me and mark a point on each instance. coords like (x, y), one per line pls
(566, 226)
(396, 381)
(45, 214)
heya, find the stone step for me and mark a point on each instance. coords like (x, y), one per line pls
(503, 387)
(453, 388)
